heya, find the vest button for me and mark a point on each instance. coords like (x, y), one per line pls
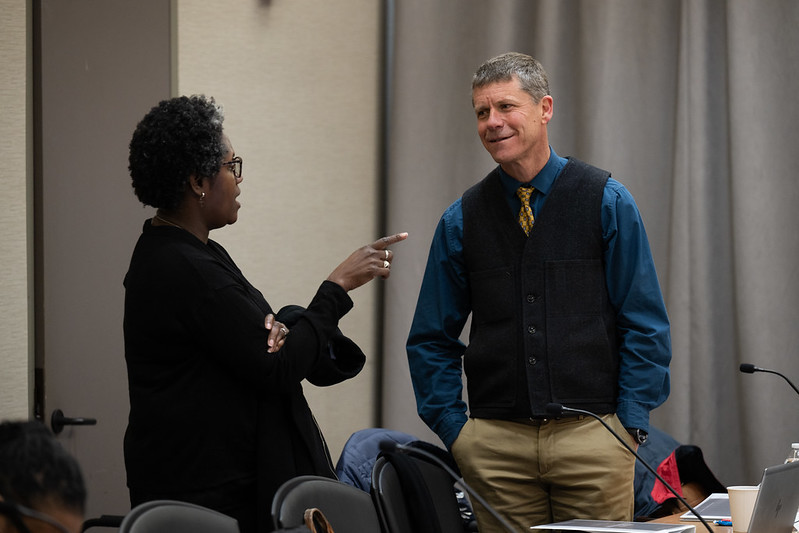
(531, 360)
(531, 298)
(531, 330)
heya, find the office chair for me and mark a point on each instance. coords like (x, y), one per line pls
(414, 496)
(168, 516)
(349, 510)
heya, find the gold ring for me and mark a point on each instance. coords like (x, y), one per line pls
(284, 331)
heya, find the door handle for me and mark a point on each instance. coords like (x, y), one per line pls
(58, 421)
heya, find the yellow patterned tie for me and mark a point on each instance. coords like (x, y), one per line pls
(526, 219)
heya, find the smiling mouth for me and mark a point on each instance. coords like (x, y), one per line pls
(498, 139)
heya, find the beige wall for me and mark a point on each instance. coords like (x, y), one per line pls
(299, 81)
(15, 274)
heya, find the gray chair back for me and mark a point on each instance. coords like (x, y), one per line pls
(348, 509)
(169, 516)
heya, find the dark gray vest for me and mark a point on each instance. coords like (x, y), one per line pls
(542, 327)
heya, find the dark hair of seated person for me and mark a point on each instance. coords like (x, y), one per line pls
(40, 482)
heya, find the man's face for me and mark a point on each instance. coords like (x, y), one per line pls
(511, 125)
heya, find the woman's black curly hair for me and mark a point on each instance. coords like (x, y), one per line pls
(177, 138)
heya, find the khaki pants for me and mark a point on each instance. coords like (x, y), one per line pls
(536, 472)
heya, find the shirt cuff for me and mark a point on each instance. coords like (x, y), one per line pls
(449, 429)
(633, 415)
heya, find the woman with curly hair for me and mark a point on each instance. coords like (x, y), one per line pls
(217, 413)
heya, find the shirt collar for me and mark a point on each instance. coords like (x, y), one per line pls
(542, 181)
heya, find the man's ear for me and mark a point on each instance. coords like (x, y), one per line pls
(547, 108)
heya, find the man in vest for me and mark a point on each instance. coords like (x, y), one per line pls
(550, 257)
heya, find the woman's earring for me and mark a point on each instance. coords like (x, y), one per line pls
(202, 199)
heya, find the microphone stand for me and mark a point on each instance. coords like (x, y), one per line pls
(747, 368)
(557, 409)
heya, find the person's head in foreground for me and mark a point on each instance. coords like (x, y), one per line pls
(41, 485)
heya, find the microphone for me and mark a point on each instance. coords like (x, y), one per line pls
(556, 409)
(391, 446)
(747, 368)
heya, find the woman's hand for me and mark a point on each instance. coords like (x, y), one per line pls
(277, 333)
(366, 263)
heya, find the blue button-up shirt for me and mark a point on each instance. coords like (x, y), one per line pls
(435, 351)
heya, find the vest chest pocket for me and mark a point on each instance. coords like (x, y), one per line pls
(492, 293)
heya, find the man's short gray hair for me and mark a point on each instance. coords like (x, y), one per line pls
(529, 72)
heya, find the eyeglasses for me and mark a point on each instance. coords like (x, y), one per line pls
(15, 512)
(235, 164)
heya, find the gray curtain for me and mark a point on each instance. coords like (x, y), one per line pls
(693, 106)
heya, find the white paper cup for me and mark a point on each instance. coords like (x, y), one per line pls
(742, 503)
